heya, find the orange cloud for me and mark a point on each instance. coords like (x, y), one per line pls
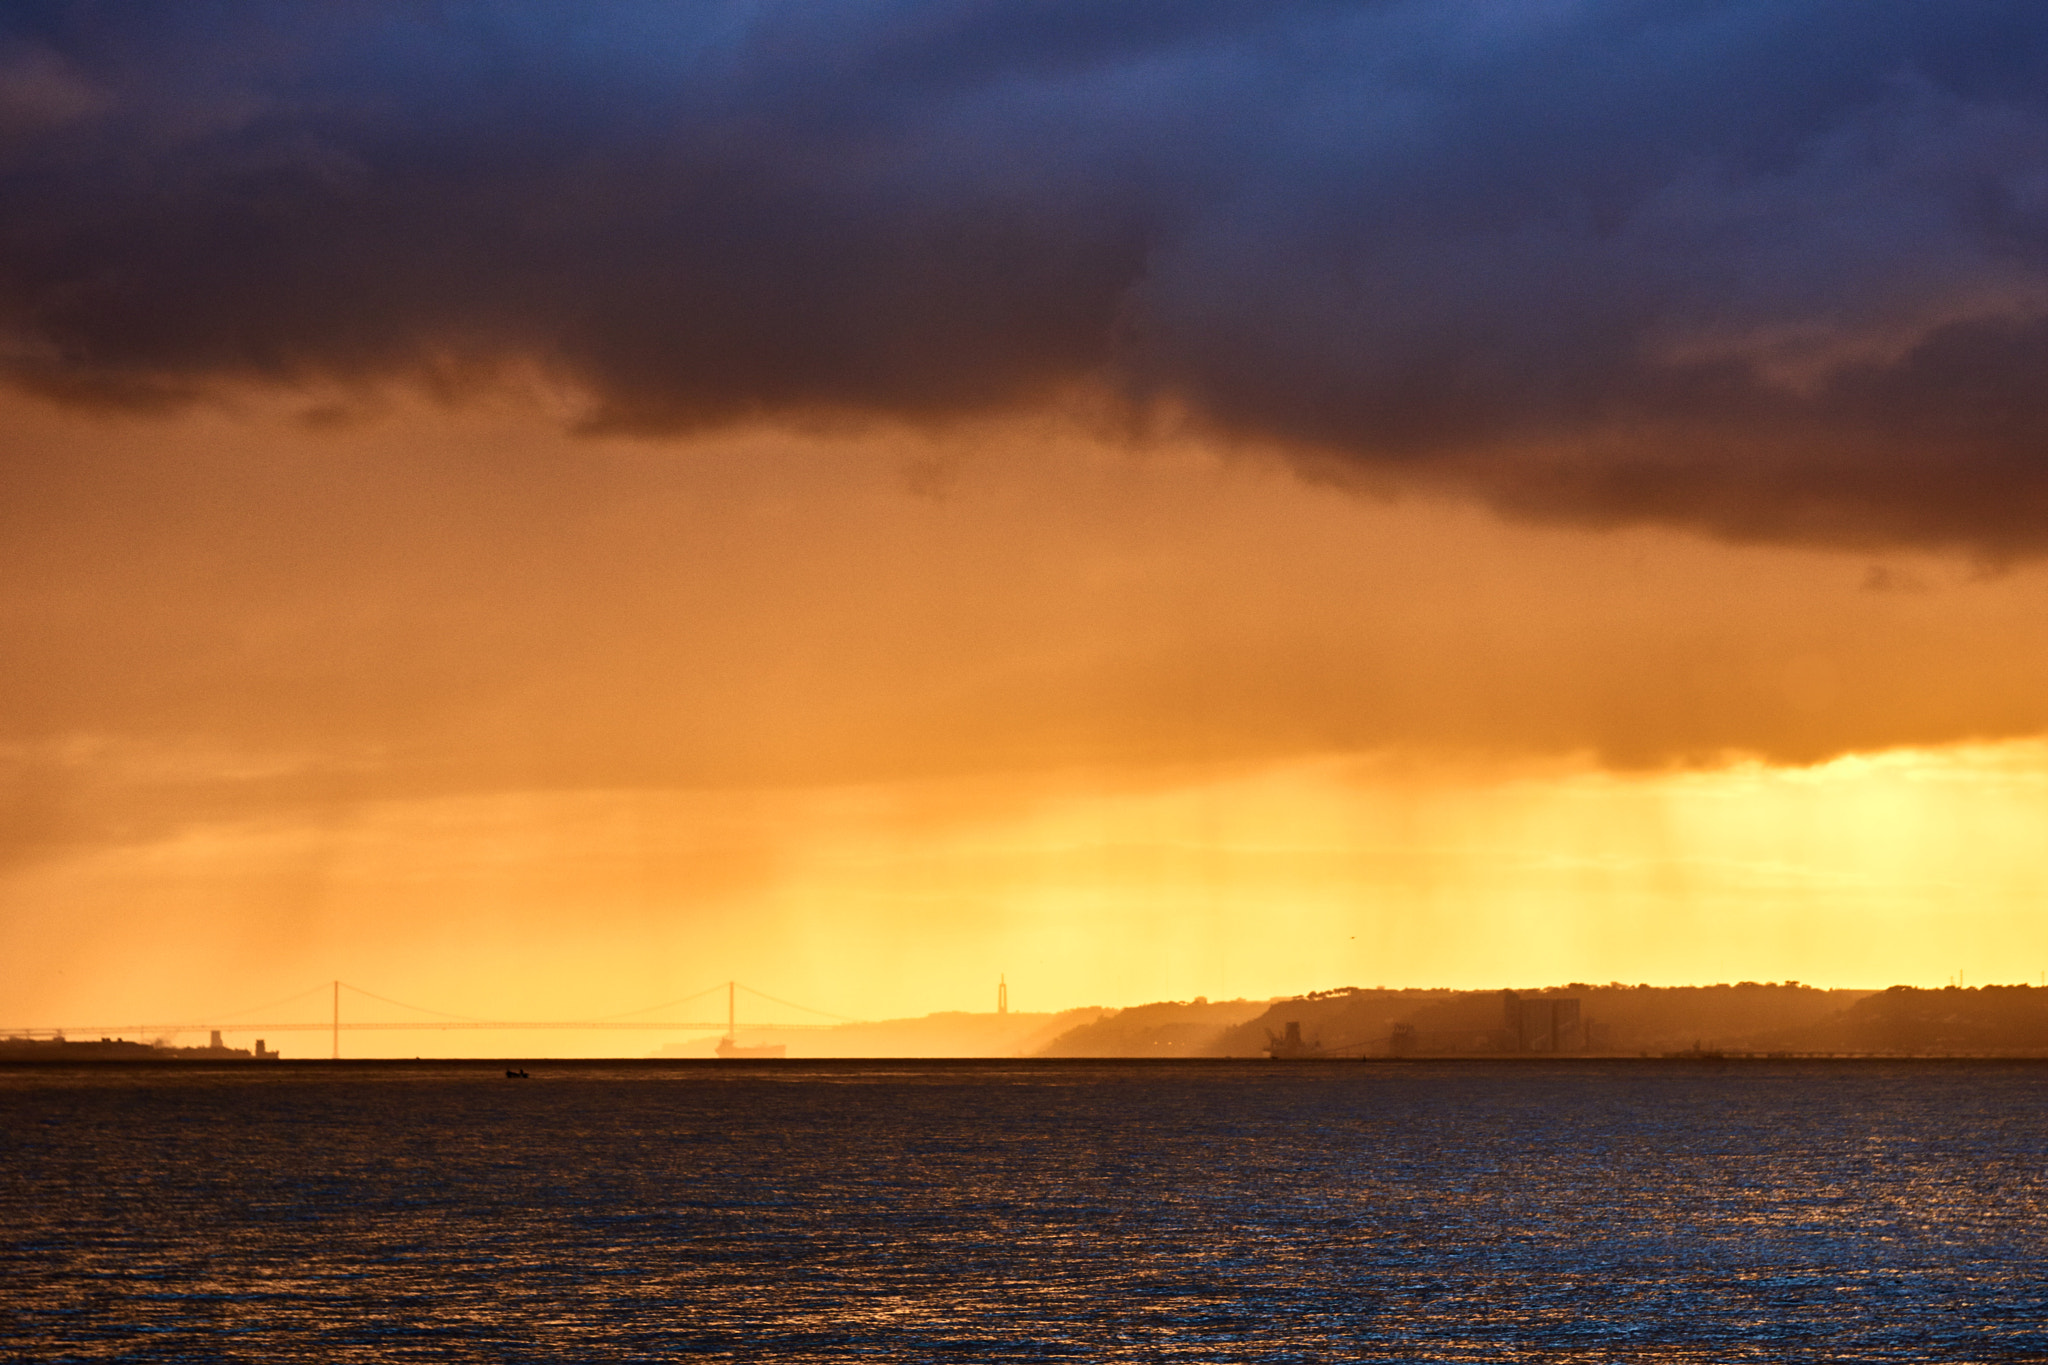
(587, 720)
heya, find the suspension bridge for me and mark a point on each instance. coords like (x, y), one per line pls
(336, 1023)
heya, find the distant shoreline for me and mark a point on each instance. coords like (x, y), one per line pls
(1704, 1062)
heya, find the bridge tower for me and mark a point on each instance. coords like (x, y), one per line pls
(1002, 995)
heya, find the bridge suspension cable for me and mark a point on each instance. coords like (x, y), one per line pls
(791, 1004)
(287, 1000)
(443, 1020)
(679, 1000)
(387, 1000)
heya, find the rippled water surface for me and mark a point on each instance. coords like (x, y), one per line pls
(1566, 1211)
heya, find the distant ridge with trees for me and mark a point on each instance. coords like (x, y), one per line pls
(1610, 1020)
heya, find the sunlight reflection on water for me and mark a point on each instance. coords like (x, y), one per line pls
(1589, 1211)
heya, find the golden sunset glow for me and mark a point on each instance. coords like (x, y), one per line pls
(971, 680)
(870, 721)
(533, 515)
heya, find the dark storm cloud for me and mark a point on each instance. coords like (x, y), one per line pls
(1774, 270)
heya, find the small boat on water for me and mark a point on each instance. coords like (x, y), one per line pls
(518, 1075)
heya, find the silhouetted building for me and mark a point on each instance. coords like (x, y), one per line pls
(1542, 1023)
(1291, 1045)
(58, 1049)
(1567, 1026)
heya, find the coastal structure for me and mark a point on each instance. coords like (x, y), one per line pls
(729, 1047)
(1542, 1023)
(1290, 1046)
(62, 1049)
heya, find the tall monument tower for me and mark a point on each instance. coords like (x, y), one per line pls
(1002, 995)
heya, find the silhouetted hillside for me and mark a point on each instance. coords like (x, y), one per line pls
(1613, 1019)
(1672, 1018)
(1167, 1029)
(2009, 1020)
(955, 1033)
(1348, 1020)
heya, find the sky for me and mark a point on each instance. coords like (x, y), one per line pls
(536, 510)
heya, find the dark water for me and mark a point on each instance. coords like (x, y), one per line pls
(1566, 1212)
